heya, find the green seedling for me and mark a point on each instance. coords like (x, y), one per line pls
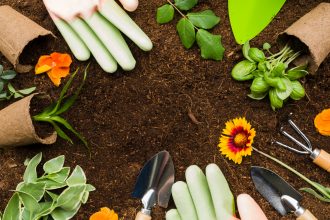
(52, 113)
(193, 26)
(39, 198)
(321, 192)
(7, 90)
(271, 74)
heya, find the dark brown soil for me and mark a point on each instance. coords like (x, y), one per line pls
(129, 116)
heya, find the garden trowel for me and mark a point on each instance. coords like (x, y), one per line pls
(249, 17)
(280, 194)
(154, 184)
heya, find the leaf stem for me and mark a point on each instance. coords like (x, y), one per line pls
(180, 12)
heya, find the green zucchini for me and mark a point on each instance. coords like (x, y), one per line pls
(200, 193)
(222, 197)
(183, 201)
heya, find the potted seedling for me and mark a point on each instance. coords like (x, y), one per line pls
(18, 125)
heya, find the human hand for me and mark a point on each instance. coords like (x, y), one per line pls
(93, 27)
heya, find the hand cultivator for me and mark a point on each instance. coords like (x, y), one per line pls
(319, 156)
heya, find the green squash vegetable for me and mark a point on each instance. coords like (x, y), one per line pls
(173, 214)
(200, 193)
(183, 201)
(222, 197)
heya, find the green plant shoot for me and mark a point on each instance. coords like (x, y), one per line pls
(193, 26)
(52, 113)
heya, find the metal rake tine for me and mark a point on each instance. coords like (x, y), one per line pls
(297, 129)
(290, 148)
(286, 134)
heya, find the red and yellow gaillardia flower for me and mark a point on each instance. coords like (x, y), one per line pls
(236, 139)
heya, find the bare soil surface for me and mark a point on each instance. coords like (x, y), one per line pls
(129, 116)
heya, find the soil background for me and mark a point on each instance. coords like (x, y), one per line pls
(129, 116)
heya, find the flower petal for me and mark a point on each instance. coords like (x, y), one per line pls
(61, 60)
(44, 64)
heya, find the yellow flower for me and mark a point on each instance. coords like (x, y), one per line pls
(104, 214)
(236, 139)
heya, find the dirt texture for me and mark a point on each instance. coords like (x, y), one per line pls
(129, 116)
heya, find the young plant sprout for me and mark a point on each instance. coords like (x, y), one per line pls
(271, 75)
(7, 93)
(52, 113)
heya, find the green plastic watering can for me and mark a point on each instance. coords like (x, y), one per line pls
(249, 17)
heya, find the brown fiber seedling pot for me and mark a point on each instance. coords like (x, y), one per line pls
(16, 32)
(311, 34)
(17, 128)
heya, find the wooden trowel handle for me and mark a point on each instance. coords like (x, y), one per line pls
(141, 216)
(323, 160)
(307, 216)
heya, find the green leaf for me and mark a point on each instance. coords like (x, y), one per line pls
(246, 49)
(69, 127)
(51, 185)
(77, 177)
(29, 202)
(257, 96)
(2, 85)
(298, 91)
(314, 193)
(30, 174)
(11, 88)
(60, 176)
(45, 209)
(60, 132)
(185, 4)
(36, 190)
(165, 14)
(8, 75)
(17, 95)
(62, 214)
(186, 32)
(3, 95)
(54, 165)
(27, 91)
(1, 69)
(90, 188)
(259, 85)
(13, 209)
(243, 70)
(204, 19)
(284, 94)
(85, 197)
(71, 197)
(256, 54)
(275, 101)
(211, 47)
(296, 73)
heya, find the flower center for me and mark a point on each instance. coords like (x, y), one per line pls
(240, 139)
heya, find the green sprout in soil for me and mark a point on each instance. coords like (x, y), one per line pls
(322, 193)
(7, 90)
(271, 75)
(192, 22)
(52, 113)
(54, 195)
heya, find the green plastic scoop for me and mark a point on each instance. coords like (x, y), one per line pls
(249, 17)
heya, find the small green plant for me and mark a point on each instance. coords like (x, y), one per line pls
(39, 198)
(271, 75)
(322, 192)
(7, 91)
(52, 113)
(210, 45)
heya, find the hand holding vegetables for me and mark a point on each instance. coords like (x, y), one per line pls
(93, 27)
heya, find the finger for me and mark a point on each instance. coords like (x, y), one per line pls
(77, 46)
(130, 5)
(183, 201)
(100, 53)
(173, 214)
(120, 19)
(249, 209)
(112, 40)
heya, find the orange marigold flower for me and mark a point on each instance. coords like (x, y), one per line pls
(236, 139)
(322, 122)
(104, 214)
(56, 65)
